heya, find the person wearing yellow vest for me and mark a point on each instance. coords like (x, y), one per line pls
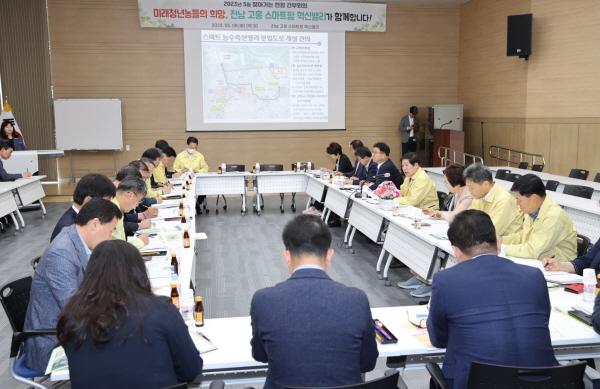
(190, 159)
(129, 193)
(417, 189)
(491, 198)
(167, 159)
(547, 230)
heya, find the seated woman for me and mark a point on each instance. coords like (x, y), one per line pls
(8, 133)
(343, 165)
(117, 334)
(461, 199)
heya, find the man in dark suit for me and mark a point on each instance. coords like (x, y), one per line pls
(6, 149)
(311, 330)
(60, 272)
(381, 156)
(354, 145)
(367, 168)
(487, 308)
(409, 127)
(89, 186)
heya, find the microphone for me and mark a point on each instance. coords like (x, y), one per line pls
(445, 124)
(383, 175)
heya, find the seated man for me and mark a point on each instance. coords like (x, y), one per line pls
(487, 308)
(492, 199)
(417, 189)
(6, 150)
(129, 194)
(167, 159)
(89, 186)
(156, 155)
(381, 156)
(591, 259)
(311, 330)
(366, 168)
(133, 220)
(191, 160)
(60, 272)
(547, 229)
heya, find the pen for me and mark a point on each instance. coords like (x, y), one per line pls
(204, 336)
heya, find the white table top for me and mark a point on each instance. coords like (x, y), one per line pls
(6, 186)
(548, 176)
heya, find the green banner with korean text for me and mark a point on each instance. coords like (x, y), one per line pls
(263, 15)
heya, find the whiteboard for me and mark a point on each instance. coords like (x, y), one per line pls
(88, 124)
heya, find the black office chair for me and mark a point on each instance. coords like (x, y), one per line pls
(391, 380)
(579, 190)
(583, 244)
(582, 174)
(183, 385)
(552, 185)
(597, 177)
(443, 199)
(14, 297)
(512, 177)
(523, 165)
(484, 376)
(228, 169)
(35, 262)
(537, 167)
(502, 173)
(274, 167)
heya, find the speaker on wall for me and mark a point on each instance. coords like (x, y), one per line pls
(518, 37)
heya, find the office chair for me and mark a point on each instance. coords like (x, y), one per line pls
(578, 190)
(502, 173)
(443, 199)
(523, 165)
(512, 177)
(485, 376)
(390, 380)
(597, 177)
(228, 169)
(537, 167)
(583, 244)
(582, 174)
(303, 167)
(552, 185)
(14, 297)
(272, 167)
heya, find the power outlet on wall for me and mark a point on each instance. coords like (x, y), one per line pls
(127, 148)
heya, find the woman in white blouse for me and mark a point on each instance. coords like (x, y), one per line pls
(453, 178)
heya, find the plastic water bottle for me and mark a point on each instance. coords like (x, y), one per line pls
(589, 285)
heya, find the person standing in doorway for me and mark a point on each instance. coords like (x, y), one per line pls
(409, 127)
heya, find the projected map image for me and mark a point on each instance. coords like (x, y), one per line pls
(264, 77)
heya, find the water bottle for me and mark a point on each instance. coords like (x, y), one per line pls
(589, 285)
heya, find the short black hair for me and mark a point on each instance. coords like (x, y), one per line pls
(191, 139)
(152, 153)
(413, 109)
(478, 173)
(412, 158)
(473, 232)
(5, 144)
(132, 184)
(355, 144)
(307, 234)
(454, 174)
(170, 152)
(334, 148)
(140, 165)
(148, 161)
(103, 210)
(128, 171)
(363, 152)
(161, 144)
(383, 147)
(528, 185)
(93, 185)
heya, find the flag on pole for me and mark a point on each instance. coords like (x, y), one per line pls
(7, 115)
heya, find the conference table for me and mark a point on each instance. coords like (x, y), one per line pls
(585, 213)
(424, 250)
(20, 193)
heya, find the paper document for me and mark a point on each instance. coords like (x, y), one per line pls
(58, 361)
(200, 236)
(202, 344)
(564, 278)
